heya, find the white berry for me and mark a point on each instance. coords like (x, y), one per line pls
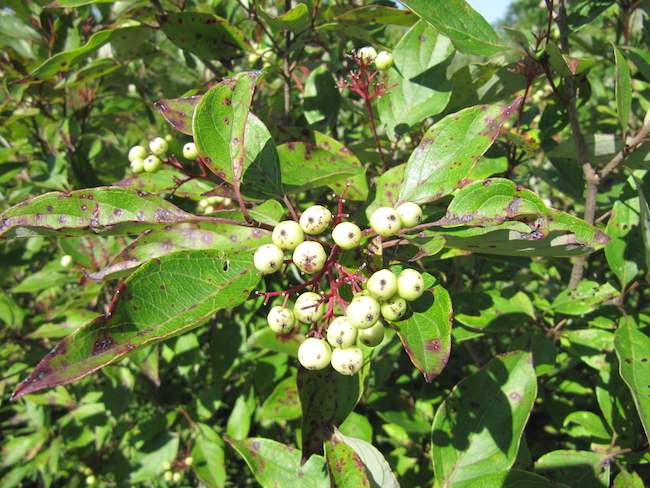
(314, 353)
(347, 235)
(190, 151)
(363, 312)
(382, 285)
(288, 235)
(137, 165)
(159, 146)
(315, 219)
(341, 334)
(309, 256)
(347, 361)
(394, 308)
(281, 320)
(152, 164)
(373, 336)
(410, 213)
(137, 152)
(309, 308)
(268, 258)
(385, 221)
(410, 284)
(367, 54)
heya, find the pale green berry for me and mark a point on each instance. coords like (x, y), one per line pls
(347, 361)
(137, 152)
(190, 151)
(309, 308)
(66, 260)
(347, 235)
(363, 312)
(382, 284)
(91, 480)
(385, 221)
(137, 165)
(268, 258)
(341, 334)
(315, 219)
(384, 61)
(394, 308)
(410, 284)
(167, 465)
(168, 476)
(281, 320)
(410, 213)
(177, 477)
(373, 336)
(367, 54)
(189, 460)
(314, 353)
(152, 164)
(158, 146)
(288, 235)
(309, 256)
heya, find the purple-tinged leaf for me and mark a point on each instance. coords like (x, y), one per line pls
(426, 334)
(101, 211)
(276, 464)
(162, 299)
(356, 187)
(449, 151)
(168, 180)
(283, 403)
(179, 112)
(344, 465)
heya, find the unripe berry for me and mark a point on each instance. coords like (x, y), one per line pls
(177, 477)
(410, 284)
(309, 256)
(268, 258)
(347, 361)
(167, 465)
(367, 54)
(190, 151)
(373, 336)
(158, 146)
(384, 61)
(287, 235)
(347, 235)
(394, 308)
(281, 320)
(137, 165)
(189, 460)
(309, 308)
(383, 284)
(385, 221)
(314, 353)
(341, 334)
(410, 213)
(66, 260)
(315, 219)
(137, 152)
(91, 480)
(167, 476)
(362, 312)
(152, 164)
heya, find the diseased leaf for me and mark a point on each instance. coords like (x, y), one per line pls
(164, 298)
(179, 112)
(344, 466)
(450, 150)
(283, 403)
(584, 299)
(467, 29)
(478, 428)
(355, 187)
(426, 334)
(101, 211)
(377, 468)
(168, 180)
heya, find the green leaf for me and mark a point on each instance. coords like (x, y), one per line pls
(626, 479)
(151, 456)
(467, 29)
(645, 219)
(587, 424)
(283, 403)
(477, 429)
(179, 112)
(294, 19)
(426, 334)
(355, 187)
(101, 211)
(578, 469)
(237, 145)
(209, 456)
(450, 150)
(344, 466)
(275, 464)
(633, 350)
(380, 15)
(423, 89)
(590, 345)
(584, 299)
(164, 298)
(204, 34)
(282, 343)
(377, 468)
(512, 478)
(305, 167)
(623, 89)
(322, 99)
(583, 13)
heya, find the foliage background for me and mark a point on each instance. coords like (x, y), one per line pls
(74, 103)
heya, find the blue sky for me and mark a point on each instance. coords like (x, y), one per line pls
(490, 9)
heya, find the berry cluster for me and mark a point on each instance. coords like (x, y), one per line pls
(332, 339)
(150, 162)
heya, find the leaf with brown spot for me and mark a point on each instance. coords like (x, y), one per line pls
(344, 465)
(179, 112)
